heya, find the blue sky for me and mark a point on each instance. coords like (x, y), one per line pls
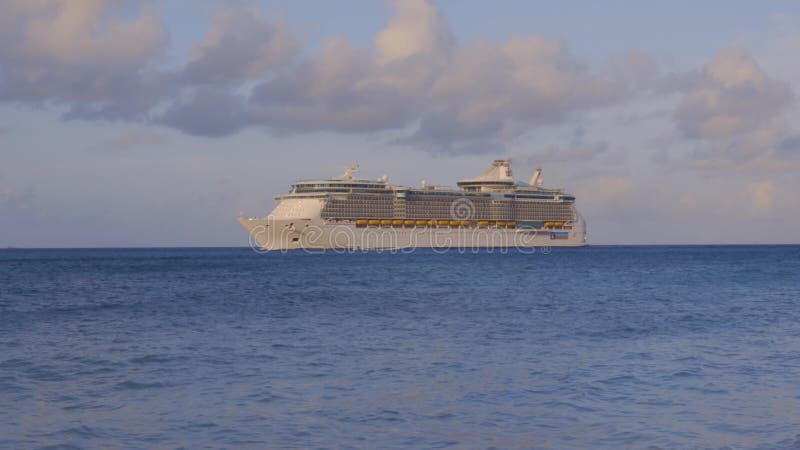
(157, 123)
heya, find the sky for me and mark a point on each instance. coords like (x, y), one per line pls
(147, 123)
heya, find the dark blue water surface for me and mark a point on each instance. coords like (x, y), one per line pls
(601, 347)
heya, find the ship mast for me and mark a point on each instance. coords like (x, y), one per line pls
(349, 171)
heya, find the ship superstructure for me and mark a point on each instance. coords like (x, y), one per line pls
(491, 210)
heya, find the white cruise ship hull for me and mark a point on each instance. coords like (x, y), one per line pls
(314, 234)
(490, 211)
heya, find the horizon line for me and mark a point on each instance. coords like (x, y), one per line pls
(177, 247)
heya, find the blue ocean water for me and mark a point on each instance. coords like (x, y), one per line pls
(600, 347)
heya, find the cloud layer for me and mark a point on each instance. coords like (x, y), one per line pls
(731, 96)
(417, 82)
(77, 55)
(736, 114)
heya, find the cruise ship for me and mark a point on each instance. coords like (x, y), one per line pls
(491, 210)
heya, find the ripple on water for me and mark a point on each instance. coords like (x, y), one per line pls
(668, 347)
(138, 385)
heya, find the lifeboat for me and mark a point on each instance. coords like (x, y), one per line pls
(443, 223)
(361, 222)
(374, 222)
(408, 223)
(484, 223)
(500, 223)
(421, 223)
(397, 223)
(511, 224)
(464, 223)
(454, 223)
(386, 222)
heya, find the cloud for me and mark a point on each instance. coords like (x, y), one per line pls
(729, 97)
(82, 33)
(491, 93)
(417, 81)
(451, 97)
(342, 89)
(736, 114)
(241, 44)
(418, 28)
(771, 148)
(207, 111)
(80, 54)
(417, 84)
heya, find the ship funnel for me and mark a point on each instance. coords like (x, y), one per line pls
(536, 179)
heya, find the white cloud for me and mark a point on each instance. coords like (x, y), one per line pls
(80, 54)
(417, 28)
(491, 93)
(451, 96)
(729, 97)
(78, 32)
(736, 116)
(418, 85)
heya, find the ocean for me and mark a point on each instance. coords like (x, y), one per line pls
(599, 347)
